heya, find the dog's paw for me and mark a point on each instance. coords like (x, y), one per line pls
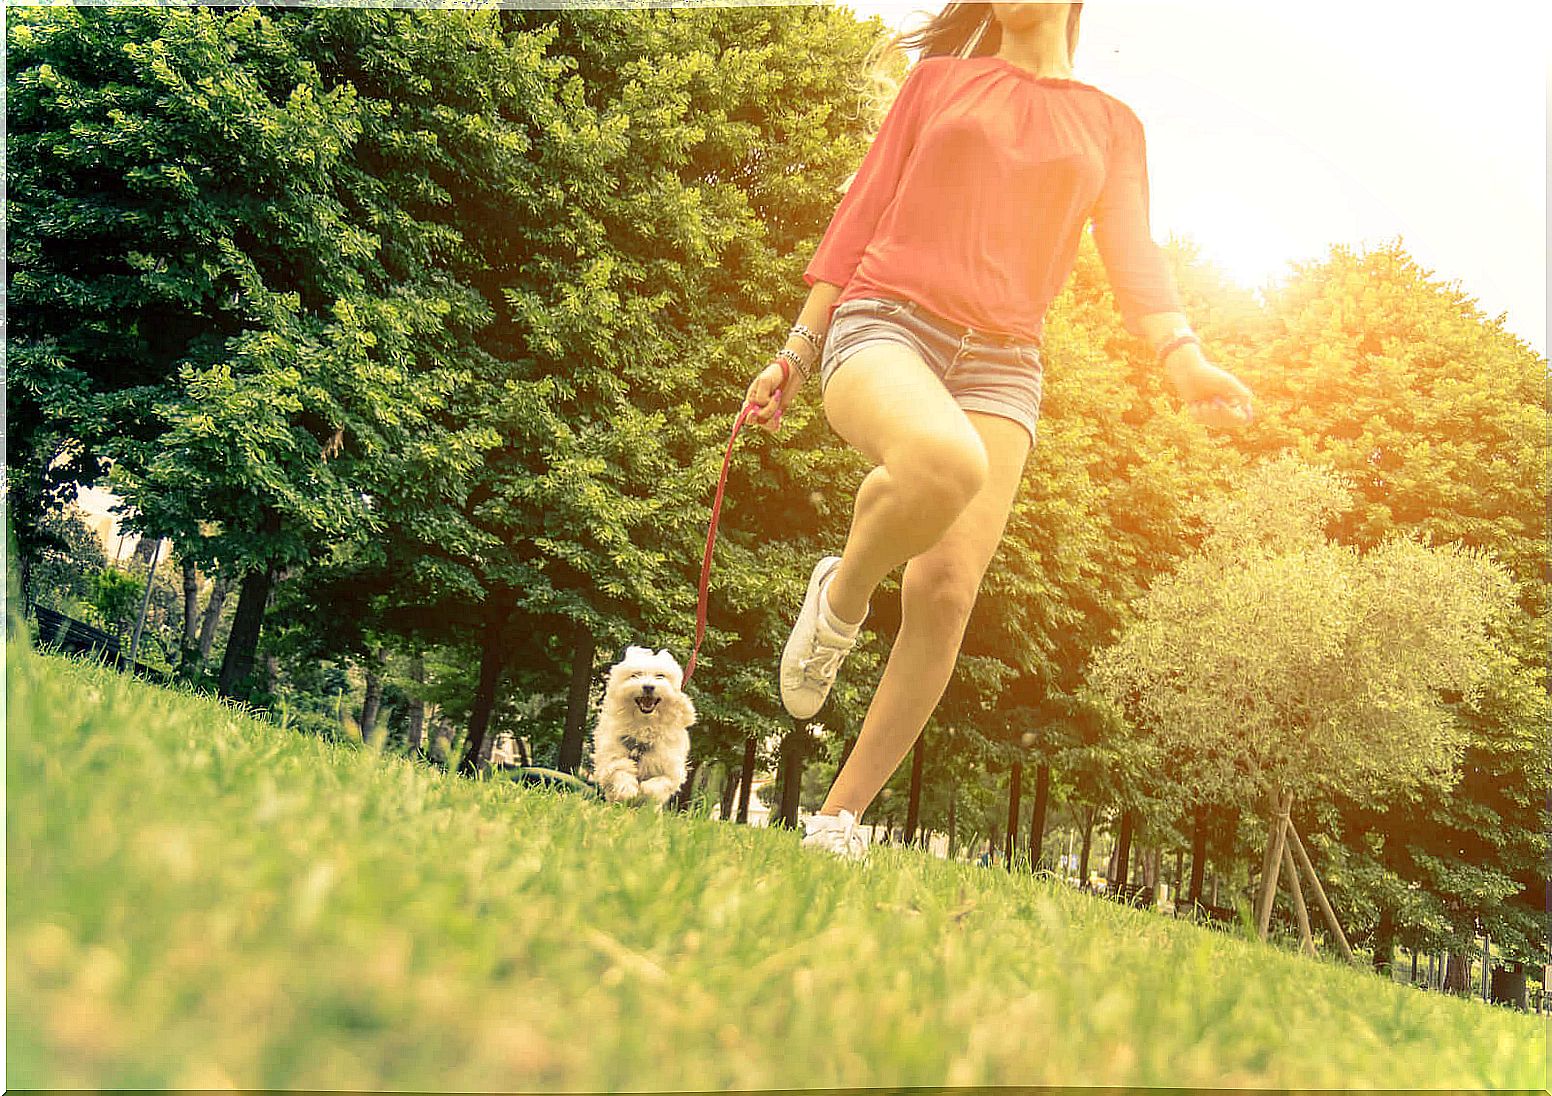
(622, 789)
(659, 790)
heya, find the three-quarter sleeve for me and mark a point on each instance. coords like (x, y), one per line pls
(1139, 274)
(873, 187)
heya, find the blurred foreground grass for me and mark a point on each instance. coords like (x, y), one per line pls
(198, 900)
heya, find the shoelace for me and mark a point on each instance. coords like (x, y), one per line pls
(823, 664)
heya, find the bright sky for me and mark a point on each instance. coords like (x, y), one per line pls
(1276, 130)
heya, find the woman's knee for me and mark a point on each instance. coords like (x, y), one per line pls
(940, 588)
(941, 474)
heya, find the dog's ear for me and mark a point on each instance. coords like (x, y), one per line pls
(634, 654)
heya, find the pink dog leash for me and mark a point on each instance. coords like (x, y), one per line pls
(716, 513)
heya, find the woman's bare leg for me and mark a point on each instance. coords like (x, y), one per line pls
(887, 403)
(937, 593)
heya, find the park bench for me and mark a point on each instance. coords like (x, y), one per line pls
(1138, 895)
(76, 637)
(1219, 917)
(73, 636)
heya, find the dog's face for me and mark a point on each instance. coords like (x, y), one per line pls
(645, 688)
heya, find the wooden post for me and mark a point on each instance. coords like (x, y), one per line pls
(1272, 862)
(145, 604)
(1306, 940)
(1320, 893)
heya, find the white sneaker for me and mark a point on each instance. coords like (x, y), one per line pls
(837, 833)
(814, 650)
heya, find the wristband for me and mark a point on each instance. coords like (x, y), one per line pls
(788, 355)
(1175, 344)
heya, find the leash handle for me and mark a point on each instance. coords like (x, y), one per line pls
(748, 409)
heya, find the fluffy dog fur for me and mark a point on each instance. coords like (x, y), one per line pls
(642, 743)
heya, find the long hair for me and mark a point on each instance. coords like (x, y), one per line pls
(963, 30)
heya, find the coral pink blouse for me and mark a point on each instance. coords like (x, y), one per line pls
(972, 198)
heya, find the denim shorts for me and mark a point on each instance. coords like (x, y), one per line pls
(994, 374)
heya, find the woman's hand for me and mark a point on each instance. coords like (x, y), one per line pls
(771, 390)
(1215, 397)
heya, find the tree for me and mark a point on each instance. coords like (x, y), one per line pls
(69, 556)
(1285, 665)
(1375, 367)
(200, 309)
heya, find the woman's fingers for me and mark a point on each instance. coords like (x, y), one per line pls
(767, 395)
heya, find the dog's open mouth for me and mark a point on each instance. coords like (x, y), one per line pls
(646, 704)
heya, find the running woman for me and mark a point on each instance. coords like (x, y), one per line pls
(927, 298)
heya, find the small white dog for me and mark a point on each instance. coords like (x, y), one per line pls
(641, 745)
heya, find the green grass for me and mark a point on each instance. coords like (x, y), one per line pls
(198, 899)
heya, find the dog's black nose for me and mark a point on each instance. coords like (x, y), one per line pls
(647, 690)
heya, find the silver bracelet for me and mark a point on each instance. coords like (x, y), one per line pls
(790, 356)
(808, 336)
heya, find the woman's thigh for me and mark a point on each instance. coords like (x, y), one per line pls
(886, 401)
(963, 553)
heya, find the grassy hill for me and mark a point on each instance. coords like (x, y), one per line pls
(198, 899)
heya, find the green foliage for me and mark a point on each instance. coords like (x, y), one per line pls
(69, 557)
(1275, 660)
(116, 598)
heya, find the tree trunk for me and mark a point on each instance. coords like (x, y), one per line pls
(476, 751)
(681, 798)
(953, 820)
(746, 780)
(441, 747)
(237, 661)
(188, 643)
(794, 748)
(1457, 973)
(1037, 816)
(1198, 853)
(1088, 846)
(729, 797)
(583, 647)
(1015, 786)
(913, 804)
(1124, 850)
(1384, 943)
(212, 618)
(372, 703)
(417, 728)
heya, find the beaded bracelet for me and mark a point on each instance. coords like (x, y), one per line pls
(1175, 344)
(807, 335)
